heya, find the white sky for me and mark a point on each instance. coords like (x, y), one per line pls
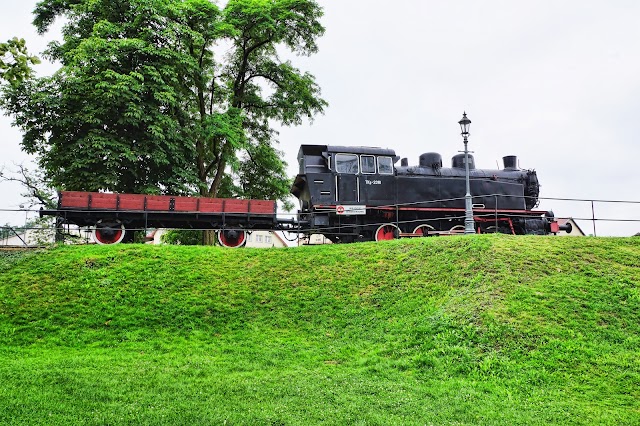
(556, 83)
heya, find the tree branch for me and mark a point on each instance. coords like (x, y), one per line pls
(266, 77)
(34, 185)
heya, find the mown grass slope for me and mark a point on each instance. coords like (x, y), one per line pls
(461, 330)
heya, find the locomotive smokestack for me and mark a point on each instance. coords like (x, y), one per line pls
(431, 159)
(510, 162)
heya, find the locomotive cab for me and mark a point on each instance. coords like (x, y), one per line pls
(337, 184)
(331, 175)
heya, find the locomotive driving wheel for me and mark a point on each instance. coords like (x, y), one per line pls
(108, 232)
(458, 229)
(497, 230)
(232, 238)
(387, 231)
(424, 230)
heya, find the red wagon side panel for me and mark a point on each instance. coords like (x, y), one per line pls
(158, 202)
(96, 201)
(101, 201)
(211, 205)
(72, 199)
(186, 204)
(262, 207)
(236, 206)
(131, 202)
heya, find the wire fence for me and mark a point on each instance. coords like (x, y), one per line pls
(596, 217)
(599, 217)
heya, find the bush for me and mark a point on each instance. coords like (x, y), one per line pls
(185, 237)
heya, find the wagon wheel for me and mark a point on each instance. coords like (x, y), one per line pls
(424, 230)
(108, 232)
(387, 231)
(232, 238)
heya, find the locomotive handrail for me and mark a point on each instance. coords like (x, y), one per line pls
(515, 196)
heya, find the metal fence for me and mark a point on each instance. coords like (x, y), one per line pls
(598, 217)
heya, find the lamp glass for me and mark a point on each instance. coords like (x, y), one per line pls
(464, 124)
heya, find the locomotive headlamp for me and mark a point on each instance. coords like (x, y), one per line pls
(464, 124)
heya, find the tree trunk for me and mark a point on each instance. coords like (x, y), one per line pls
(209, 237)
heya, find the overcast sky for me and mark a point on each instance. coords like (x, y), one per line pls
(556, 83)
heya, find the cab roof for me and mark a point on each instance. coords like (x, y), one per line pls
(333, 149)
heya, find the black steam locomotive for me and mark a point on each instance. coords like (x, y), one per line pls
(359, 194)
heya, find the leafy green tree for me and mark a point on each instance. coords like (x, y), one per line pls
(260, 88)
(185, 237)
(169, 95)
(15, 61)
(109, 119)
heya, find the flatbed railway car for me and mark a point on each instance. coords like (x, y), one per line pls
(112, 217)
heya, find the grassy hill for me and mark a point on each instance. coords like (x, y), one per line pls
(459, 330)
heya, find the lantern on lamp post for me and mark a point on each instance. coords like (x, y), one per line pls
(469, 224)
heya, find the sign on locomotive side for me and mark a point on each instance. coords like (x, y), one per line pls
(351, 210)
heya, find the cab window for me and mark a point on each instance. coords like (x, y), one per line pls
(368, 164)
(385, 165)
(346, 163)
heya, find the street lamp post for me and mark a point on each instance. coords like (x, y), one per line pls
(26, 216)
(469, 224)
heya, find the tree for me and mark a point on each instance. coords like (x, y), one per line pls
(254, 87)
(109, 119)
(169, 96)
(15, 61)
(38, 191)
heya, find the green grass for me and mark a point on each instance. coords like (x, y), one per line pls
(489, 330)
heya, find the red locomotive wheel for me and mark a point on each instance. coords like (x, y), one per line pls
(232, 238)
(387, 231)
(457, 229)
(423, 230)
(108, 233)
